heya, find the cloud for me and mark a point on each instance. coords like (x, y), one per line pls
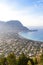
(30, 15)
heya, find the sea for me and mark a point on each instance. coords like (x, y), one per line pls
(35, 34)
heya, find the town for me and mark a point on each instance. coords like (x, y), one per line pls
(17, 44)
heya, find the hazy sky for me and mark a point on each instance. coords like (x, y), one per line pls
(29, 12)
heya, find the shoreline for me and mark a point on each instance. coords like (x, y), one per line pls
(35, 45)
(17, 44)
(29, 39)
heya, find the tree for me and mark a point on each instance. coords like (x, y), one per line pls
(22, 59)
(41, 59)
(3, 61)
(35, 61)
(29, 63)
(11, 59)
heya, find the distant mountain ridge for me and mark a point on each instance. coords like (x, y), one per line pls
(12, 26)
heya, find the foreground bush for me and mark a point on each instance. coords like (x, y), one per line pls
(11, 59)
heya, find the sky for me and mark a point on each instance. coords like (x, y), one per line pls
(28, 12)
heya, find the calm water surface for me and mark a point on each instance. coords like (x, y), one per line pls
(34, 35)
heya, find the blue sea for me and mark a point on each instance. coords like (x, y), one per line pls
(34, 35)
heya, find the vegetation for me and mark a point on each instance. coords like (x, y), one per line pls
(11, 59)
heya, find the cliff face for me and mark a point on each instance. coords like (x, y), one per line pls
(12, 26)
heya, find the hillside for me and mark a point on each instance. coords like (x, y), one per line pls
(11, 41)
(12, 26)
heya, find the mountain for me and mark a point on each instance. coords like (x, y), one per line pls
(12, 26)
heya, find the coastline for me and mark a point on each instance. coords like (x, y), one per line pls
(17, 44)
(35, 44)
(29, 39)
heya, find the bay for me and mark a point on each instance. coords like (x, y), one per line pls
(33, 35)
